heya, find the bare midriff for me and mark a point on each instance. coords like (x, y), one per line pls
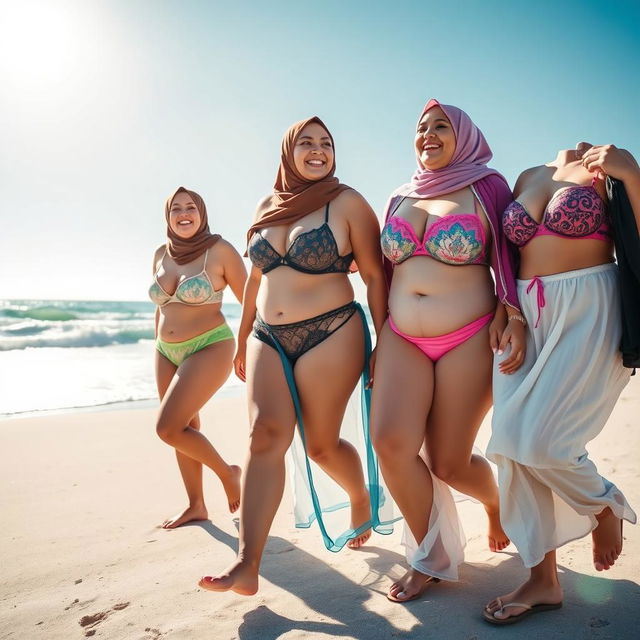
(546, 255)
(429, 298)
(287, 295)
(180, 322)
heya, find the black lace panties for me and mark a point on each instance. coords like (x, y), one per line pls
(296, 338)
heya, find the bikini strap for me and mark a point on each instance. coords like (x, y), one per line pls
(326, 214)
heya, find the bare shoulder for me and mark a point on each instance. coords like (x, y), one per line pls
(223, 249)
(527, 176)
(352, 204)
(159, 252)
(263, 204)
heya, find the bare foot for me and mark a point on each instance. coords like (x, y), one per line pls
(191, 513)
(360, 513)
(410, 586)
(498, 539)
(530, 593)
(232, 487)
(241, 577)
(607, 540)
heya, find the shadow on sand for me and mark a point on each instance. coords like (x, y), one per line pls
(594, 607)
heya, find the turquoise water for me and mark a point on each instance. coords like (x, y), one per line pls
(60, 354)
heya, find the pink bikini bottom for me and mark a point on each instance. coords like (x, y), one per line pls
(435, 347)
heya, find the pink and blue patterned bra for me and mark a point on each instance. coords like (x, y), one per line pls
(456, 239)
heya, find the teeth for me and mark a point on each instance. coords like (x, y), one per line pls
(318, 163)
(184, 222)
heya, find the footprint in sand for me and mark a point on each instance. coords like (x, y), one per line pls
(91, 621)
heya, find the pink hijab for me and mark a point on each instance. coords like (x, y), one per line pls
(468, 164)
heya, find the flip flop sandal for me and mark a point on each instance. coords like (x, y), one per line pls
(528, 611)
(415, 596)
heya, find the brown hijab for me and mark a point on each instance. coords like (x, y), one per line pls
(184, 250)
(293, 195)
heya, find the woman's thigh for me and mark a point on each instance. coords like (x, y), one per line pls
(402, 394)
(326, 376)
(461, 400)
(195, 381)
(271, 411)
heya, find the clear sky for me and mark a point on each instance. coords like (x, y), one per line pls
(107, 105)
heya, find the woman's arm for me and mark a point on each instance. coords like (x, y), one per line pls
(246, 320)
(233, 270)
(620, 164)
(364, 234)
(156, 256)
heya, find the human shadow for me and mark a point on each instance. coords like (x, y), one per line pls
(338, 602)
(594, 606)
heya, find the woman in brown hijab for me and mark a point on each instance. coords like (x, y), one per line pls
(307, 349)
(194, 344)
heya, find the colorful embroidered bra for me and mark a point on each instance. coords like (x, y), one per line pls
(313, 252)
(573, 212)
(456, 239)
(195, 290)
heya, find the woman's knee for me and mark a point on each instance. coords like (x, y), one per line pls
(390, 445)
(167, 429)
(447, 469)
(320, 451)
(266, 436)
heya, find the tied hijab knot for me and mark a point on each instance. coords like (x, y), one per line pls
(468, 164)
(185, 250)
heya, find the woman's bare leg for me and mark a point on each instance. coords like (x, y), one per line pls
(461, 400)
(193, 384)
(326, 377)
(542, 587)
(190, 470)
(402, 396)
(272, 419)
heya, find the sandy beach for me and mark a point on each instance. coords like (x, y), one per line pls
(82, 495)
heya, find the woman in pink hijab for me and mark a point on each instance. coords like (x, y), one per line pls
(446, 316)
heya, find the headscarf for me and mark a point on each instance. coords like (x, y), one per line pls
(184, 250)
(468, 164)
(294, 196)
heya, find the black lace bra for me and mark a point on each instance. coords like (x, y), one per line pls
(313, 251)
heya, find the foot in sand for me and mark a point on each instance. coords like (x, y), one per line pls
(360, 513)
(607, 540)
(191, 513)
(531, 593)
(411, 586)
(241, 577)
(498, 539)
(231, 487)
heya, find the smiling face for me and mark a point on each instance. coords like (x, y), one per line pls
(435, 140)
(184, 217)
(313, 152)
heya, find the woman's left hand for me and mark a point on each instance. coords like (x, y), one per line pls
(608, 159)
(515, 336)
(372, 366)
(496, 329)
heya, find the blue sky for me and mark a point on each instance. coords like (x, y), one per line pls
(109, 105)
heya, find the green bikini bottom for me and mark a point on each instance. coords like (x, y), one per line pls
(178, 352)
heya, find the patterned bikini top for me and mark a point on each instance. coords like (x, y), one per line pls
(456, 239)
(573, 212)
(314, 252)
(194, 290)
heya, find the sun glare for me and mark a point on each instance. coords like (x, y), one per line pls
(37, 44)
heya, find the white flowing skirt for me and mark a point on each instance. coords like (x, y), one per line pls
(545, 413)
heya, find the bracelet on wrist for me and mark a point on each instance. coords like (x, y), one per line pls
(518, 317)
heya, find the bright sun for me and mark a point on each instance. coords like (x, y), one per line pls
(37, 43)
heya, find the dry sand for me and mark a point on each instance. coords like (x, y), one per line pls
(82, 555)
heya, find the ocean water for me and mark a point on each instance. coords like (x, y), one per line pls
(58, 354)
